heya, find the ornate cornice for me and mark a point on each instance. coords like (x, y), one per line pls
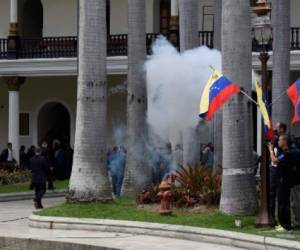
(14, 83)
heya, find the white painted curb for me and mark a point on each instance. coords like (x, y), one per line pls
(234, 239)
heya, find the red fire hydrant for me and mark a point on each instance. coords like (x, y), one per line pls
(165, 196)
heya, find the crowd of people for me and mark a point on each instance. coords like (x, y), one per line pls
(46, 164)
(59, 157)
(162, 161)
(165, 159)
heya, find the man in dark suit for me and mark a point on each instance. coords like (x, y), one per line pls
(7, 154)
(38, 165)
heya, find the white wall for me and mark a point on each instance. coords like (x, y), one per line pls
(295, 17)
(60, 17)
(208, 23)
(118, 16)
(4, 18)
(38, 91)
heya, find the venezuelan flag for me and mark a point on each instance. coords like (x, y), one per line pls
(217, 91)
(293, 93)
(265, 112)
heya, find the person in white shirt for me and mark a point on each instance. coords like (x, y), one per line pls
(7, 154)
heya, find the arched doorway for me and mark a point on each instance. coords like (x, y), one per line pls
(32, 19)
(54, 123)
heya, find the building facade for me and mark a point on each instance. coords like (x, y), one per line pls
(38, 76)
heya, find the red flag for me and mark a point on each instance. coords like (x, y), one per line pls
(293, 93)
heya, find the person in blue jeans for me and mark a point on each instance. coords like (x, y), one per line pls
(116, 166)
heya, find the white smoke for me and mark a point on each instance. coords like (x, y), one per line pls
(175, 82)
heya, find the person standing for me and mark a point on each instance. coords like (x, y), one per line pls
(280, 129)
(38, 165)
(117, 160)
(7, 154)
(46, 154)
(60, 171)
(284, 161)
(23, 158)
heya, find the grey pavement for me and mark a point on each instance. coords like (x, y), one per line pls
(14, 223)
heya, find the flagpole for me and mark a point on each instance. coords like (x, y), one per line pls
(211, 67)
(249, 97)
(278, 98)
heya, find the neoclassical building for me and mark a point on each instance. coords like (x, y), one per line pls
(38, 63)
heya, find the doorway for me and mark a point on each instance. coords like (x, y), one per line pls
(32, 19)
(54, 124)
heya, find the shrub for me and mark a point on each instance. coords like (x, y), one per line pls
(148, 195)
(199, 185)
(190, 185)
(14, 177)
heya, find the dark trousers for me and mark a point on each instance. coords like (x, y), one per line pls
(284, 206)
(273, 186)
(40, 190)
(50, 179)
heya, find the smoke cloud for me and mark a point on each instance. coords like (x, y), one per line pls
(175, 82)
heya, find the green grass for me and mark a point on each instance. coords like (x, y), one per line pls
(24, 187)
(126, 209)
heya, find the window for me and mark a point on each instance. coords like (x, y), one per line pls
(207, 18)
(24, 124)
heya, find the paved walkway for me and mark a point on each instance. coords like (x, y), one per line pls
(14, 223)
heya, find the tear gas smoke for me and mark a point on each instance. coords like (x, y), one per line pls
(175, 82)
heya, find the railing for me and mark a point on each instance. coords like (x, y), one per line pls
(295, 42)
(48, 47)
(117, 45)
(295, 38)
(55, 47)
(3, 48)
(206, 38)
(150, 39)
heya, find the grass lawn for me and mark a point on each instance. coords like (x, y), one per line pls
(24, 187)
(126, 209)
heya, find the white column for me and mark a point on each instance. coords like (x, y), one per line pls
(174, 8)
(13, 11)
(13, 123)
(14, 85)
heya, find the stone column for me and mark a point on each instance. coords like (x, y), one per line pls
(13, 37)
(174, 24)
(14, 84)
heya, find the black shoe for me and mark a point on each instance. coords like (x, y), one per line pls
(36, 205)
